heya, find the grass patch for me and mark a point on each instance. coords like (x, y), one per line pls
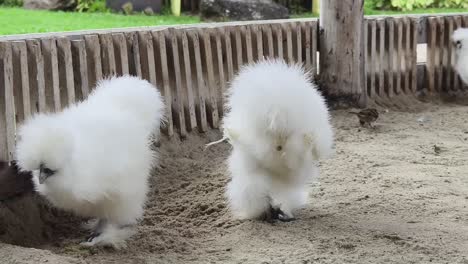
(20, 21)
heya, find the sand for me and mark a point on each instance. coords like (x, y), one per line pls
(386, 197)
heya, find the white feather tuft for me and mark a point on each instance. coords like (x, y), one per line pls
(278, 124)
(100, 150)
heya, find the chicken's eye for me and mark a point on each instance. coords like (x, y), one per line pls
(458, 44)
(48, 171)
(279, 148)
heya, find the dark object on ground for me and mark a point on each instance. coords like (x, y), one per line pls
(49, 4)
(242, 10)
(367, 116)
(136, 5)
(273, 214)
(13, 182)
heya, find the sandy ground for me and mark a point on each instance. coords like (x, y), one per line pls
(386, 197)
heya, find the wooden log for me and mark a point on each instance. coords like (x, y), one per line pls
(342, 51)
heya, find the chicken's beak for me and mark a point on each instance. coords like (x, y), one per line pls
(42, 176)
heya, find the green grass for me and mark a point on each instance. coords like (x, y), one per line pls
(19, 21)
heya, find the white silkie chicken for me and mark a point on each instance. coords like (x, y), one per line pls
(94, 158)
(460, 40)
(278, 125)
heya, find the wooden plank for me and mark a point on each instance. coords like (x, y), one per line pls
(21, 81)
(367, 48)
(391, 55)
(221, 75)
(238, 50)
(159, 38)
(463, 85)
(200, 92)
(414, 56)
(93, 53)
(286, 29)
(373, 58)
(456, 79)
(178, 99)
(51, 73)
(36, 75)
(189, 86)
(314, 42)
(133, 51)
(7, 145)
(80, 65)
(381, 62)
(229, 60)
(3, 123)
(399, 54)
(431, 53)
(66, 76)
(212, 104)
(247, 34)
(298, 32)
(408, 55)
(108, 55)
(306, 29)
(440, 54)
(120, 49)
(148, 66)
(268, 33)
(259, 41)
(279, 40)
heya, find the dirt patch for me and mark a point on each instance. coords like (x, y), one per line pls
(396, 194)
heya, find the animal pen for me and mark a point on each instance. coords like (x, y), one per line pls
(192, 65)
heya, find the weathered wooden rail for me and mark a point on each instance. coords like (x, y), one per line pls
(192, 65)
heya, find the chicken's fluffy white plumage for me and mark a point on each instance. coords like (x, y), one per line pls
(460, 39)
(278, 124)
(101, 153)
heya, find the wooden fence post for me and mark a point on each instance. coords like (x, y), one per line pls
(342, 74)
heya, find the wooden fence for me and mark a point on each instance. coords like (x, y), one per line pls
(191, 65)
(391, 45)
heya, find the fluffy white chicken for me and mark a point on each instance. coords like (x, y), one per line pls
(278, 125)
(460, 40)
(94, 158)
